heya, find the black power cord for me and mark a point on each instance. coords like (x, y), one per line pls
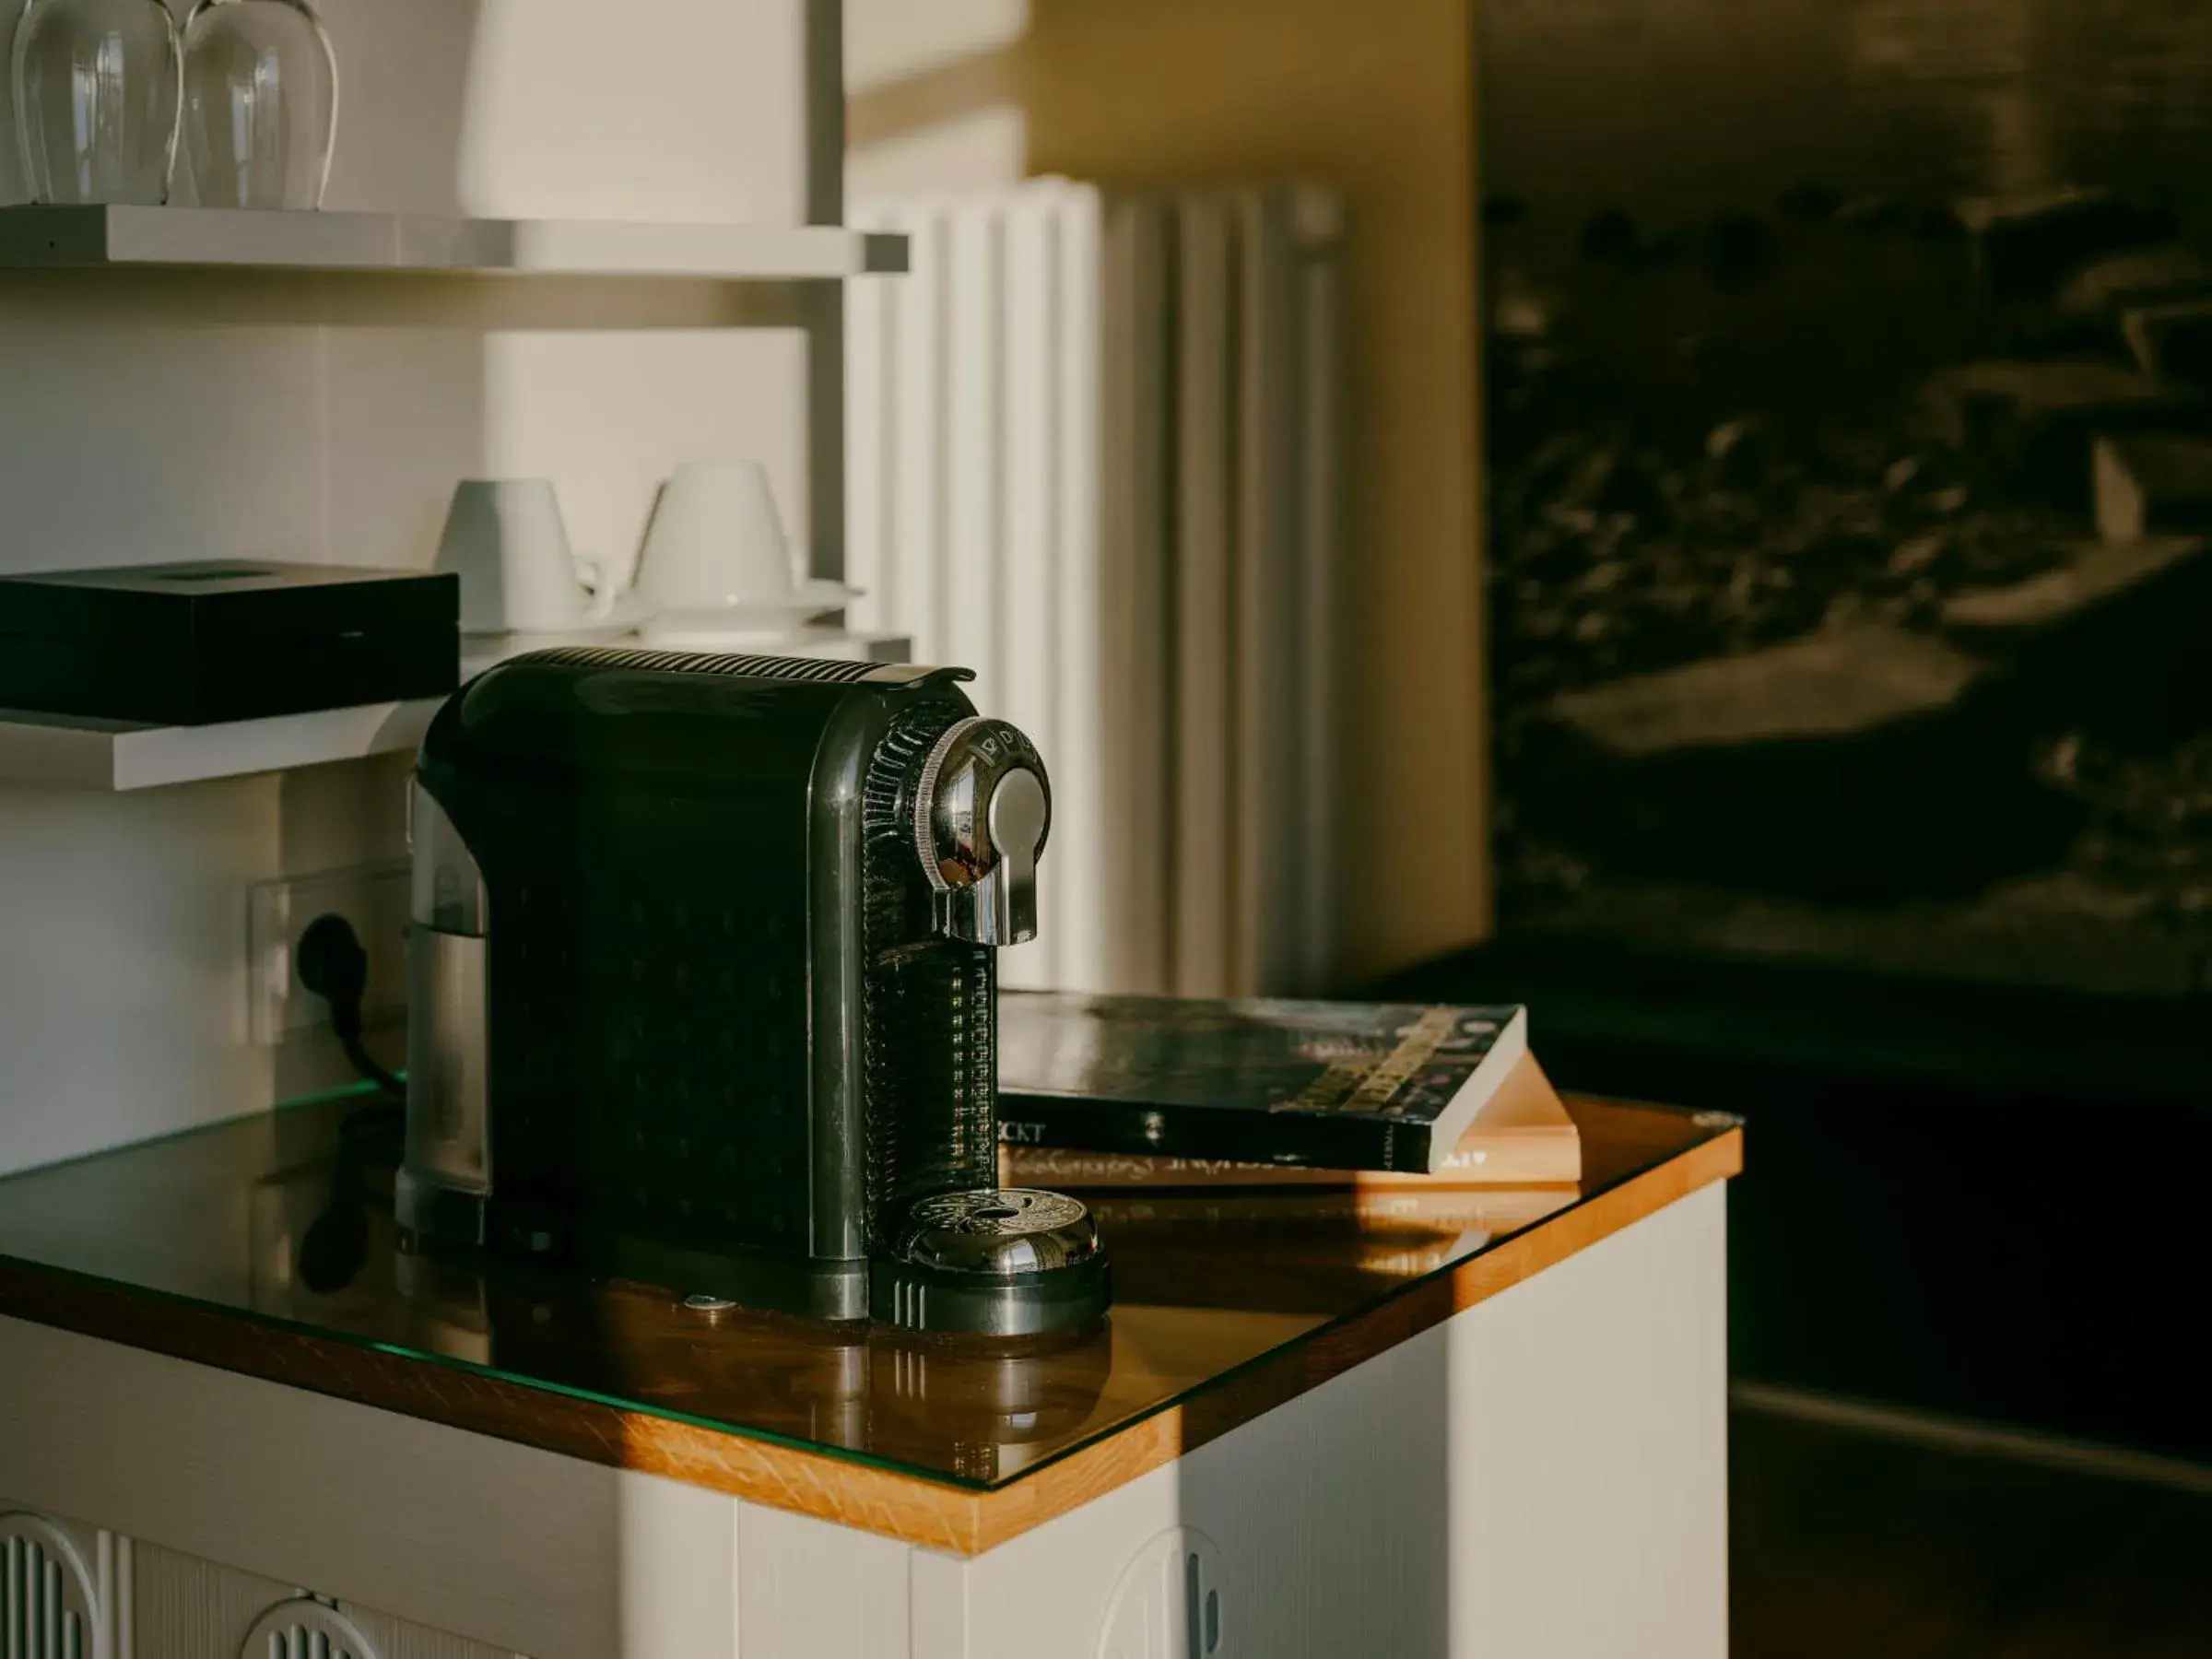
(333, 963)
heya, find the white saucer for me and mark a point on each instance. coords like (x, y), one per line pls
(755, 623)
(629, 609)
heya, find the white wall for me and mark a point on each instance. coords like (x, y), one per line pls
(159, 415)
(949, 56)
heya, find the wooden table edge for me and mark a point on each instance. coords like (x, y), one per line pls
(912, 1508)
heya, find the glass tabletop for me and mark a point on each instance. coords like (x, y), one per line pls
(254, 1218)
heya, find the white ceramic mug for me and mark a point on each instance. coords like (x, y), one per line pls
(506, 540)
(716, 540)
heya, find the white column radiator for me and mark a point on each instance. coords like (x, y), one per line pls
(1093, 454)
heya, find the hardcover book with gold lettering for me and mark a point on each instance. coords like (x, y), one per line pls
(1296, 1085)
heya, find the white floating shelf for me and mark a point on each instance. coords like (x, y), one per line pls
(78, 238)
(61, 751)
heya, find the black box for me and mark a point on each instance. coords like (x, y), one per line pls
(191, 644)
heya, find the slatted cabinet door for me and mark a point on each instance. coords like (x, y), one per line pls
(305, 1629)
(184, 1607)
(52, 1602)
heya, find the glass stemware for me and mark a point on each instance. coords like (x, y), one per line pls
(260, 103)
(97, 86)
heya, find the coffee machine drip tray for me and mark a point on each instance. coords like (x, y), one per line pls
(1003, 1261)
(989, 1263)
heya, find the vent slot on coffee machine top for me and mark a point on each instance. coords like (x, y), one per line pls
(828, 671)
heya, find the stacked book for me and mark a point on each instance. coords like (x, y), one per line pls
(1190, 1098)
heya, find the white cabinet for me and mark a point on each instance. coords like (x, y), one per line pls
(1543, 1472)
(71, 1591)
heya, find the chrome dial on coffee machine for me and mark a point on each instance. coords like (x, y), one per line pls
(704, 986)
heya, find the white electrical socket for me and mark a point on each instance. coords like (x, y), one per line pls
(1168, 1601)
(372, 897)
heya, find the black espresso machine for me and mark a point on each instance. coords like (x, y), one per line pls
(703, 987)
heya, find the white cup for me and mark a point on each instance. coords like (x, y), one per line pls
(505, 538)
(716, 541)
